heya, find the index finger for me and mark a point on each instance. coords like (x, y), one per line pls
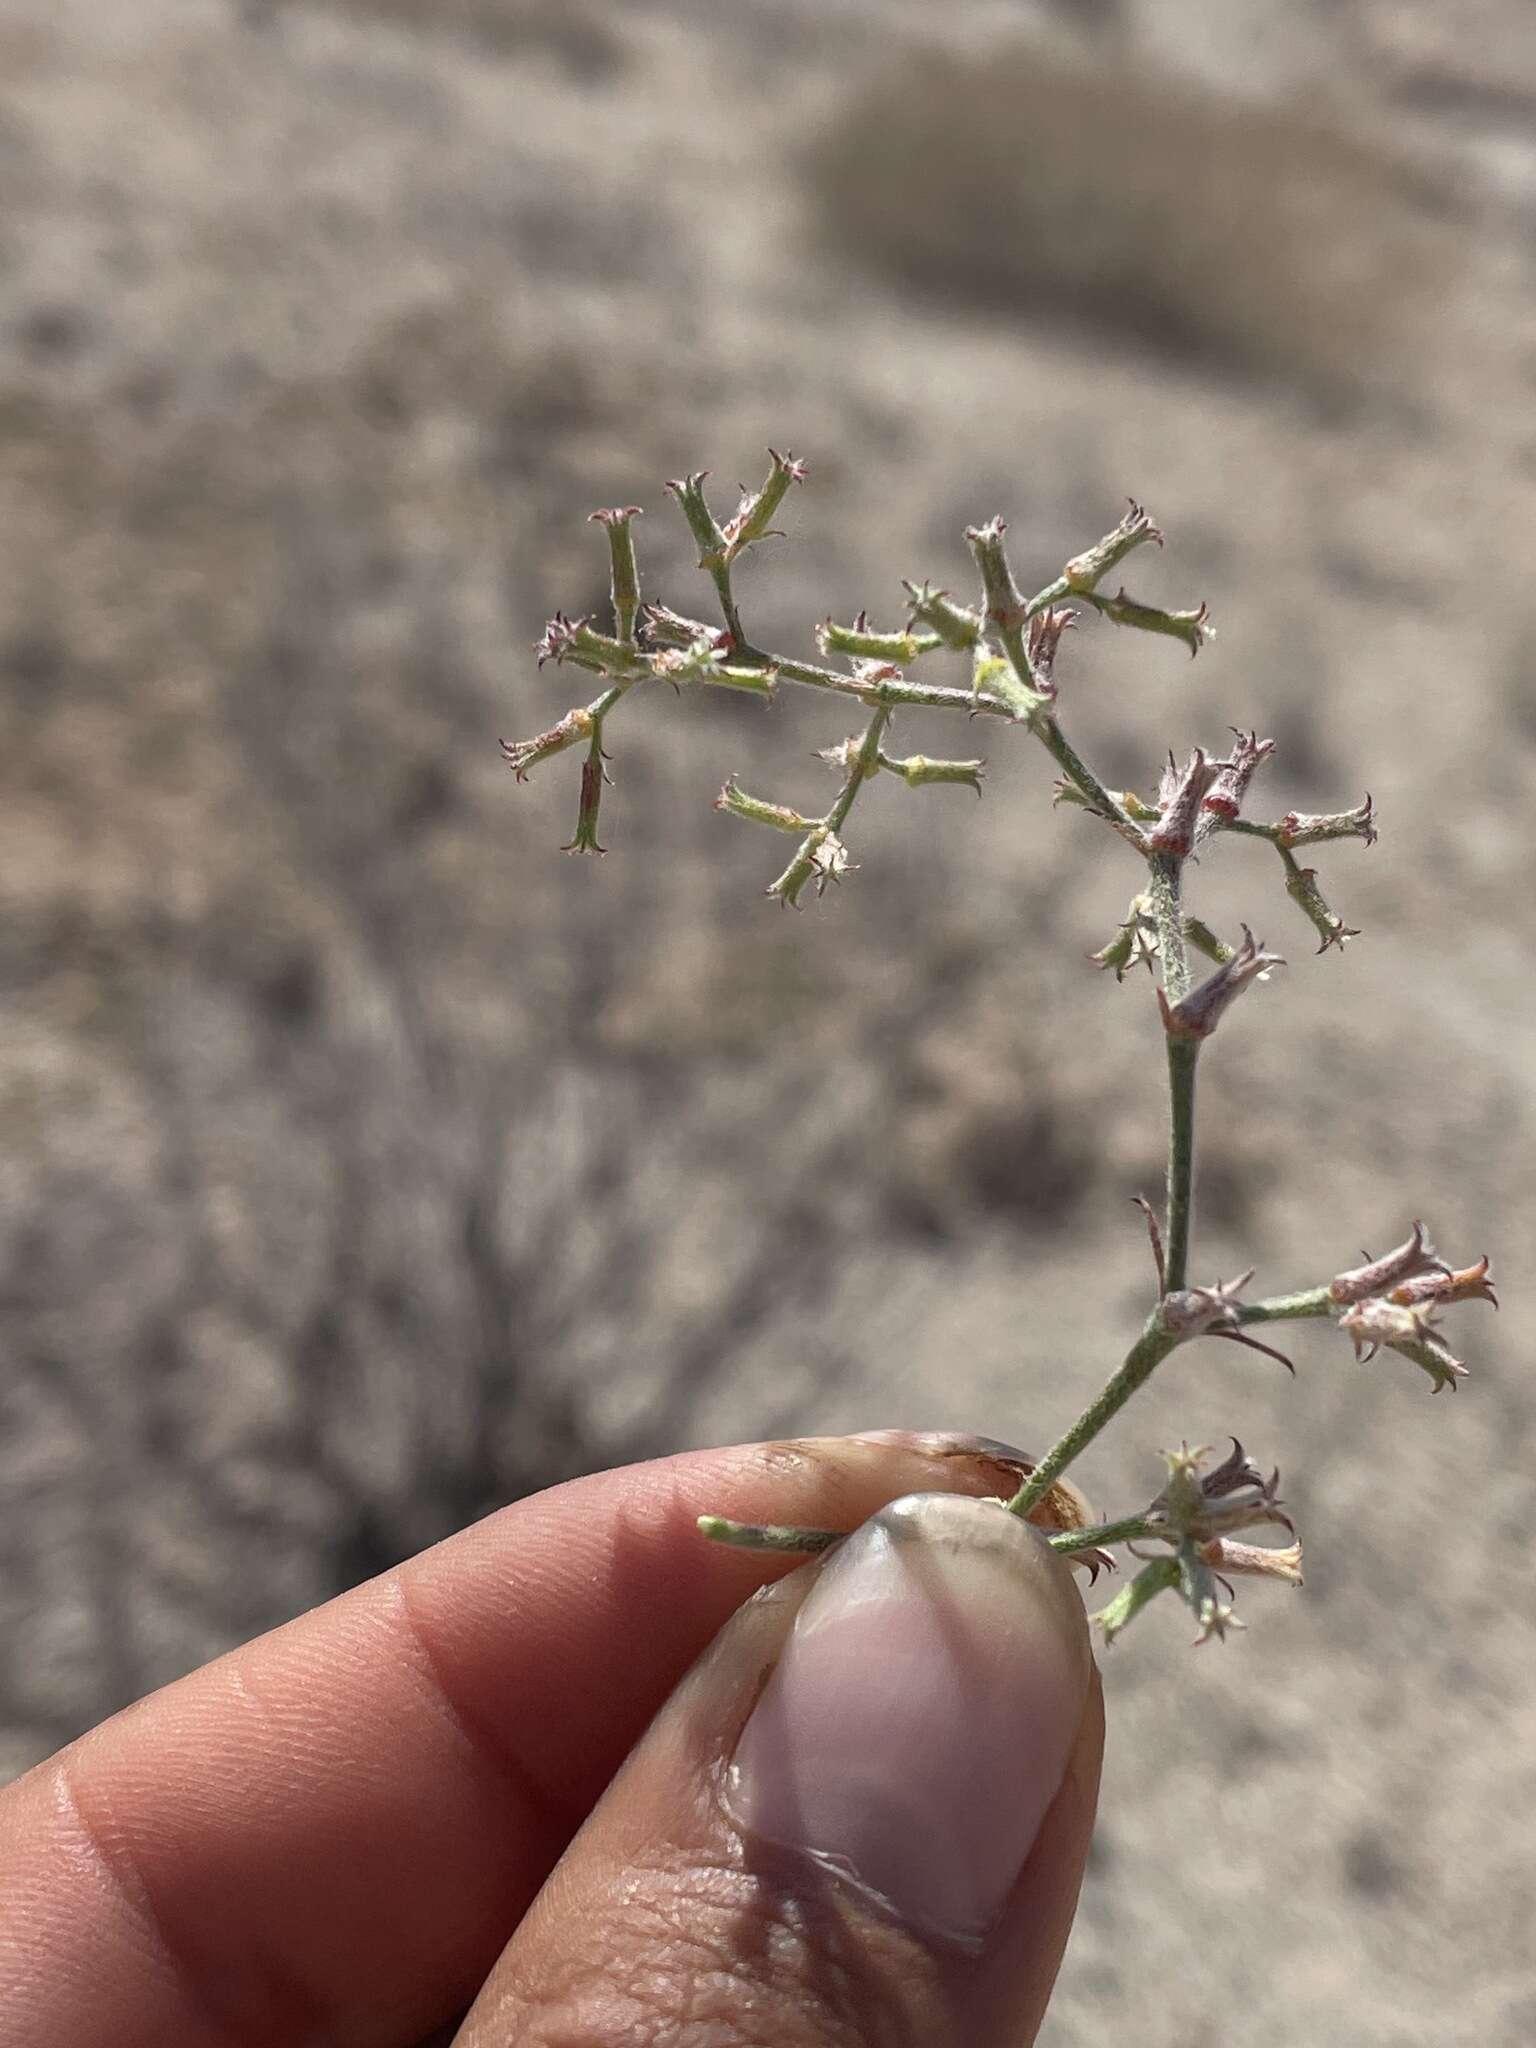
(328, 1835)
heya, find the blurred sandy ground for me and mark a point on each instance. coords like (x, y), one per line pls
(367, 1162)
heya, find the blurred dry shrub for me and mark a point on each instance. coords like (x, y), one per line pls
(1256, 239)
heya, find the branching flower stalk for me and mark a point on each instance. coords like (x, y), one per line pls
(1011, 643)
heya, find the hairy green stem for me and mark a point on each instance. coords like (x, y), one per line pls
(1130, 1529)
(1142, 1360)
(1079, 773)
(824, 833)
(1058, 588)
(1154, 1343)
(721, 576)
(1166, 892)
(1183, 1054)
(1198, 934)
(866, 763)
(893, 693)
(1284, 1308)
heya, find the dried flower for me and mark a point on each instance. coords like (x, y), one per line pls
(558, 638)
(578, 640)
(1179, 799)
(1379, 1276)
(593, 777)
(1224, 798)
(1256, 1560)
(1473, 1283)
(1203, 1505)
(822, 858)
(1372, 1322)
(831, 861)
(1375, 1324)
(1303, 828)
(1041, 640)
(696, 664)
(1199, 1311)
(1197, 1014)
(660, 626)
(522, 755)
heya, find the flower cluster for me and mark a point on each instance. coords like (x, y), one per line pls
(1009, 646)
(1198, 1516)
(1393, 1303)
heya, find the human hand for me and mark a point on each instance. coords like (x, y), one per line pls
(861, 1816)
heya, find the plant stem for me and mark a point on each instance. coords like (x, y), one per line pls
(767, 1535)
(1142, 1360)
(1154, 1343)
(920, 696)
(1080, 774)
(1167, 910)
(1129, 1530)
(1282, 1308)
(866, 764)
(824, 832)
(1183, 1055)
(808, 1542)
(1199, 935)
(721, 576)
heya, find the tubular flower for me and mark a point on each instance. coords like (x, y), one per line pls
(522, 755)
(1252, 1559)
(1179, 798)
(1305, 828)
(1041, 640)
(1197, 1014)
(1207, 1505)
(1411, 1258)
(1376, 1324)
(660, 626)
(1473, 1283)
(1225, 795)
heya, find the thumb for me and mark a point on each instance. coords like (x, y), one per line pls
(861, 1818)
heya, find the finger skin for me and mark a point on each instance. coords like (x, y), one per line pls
(665, 1923)
(328, 1835)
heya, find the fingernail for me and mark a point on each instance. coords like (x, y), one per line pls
(1004, 1466)
(918, 1723)
(945, 1443)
